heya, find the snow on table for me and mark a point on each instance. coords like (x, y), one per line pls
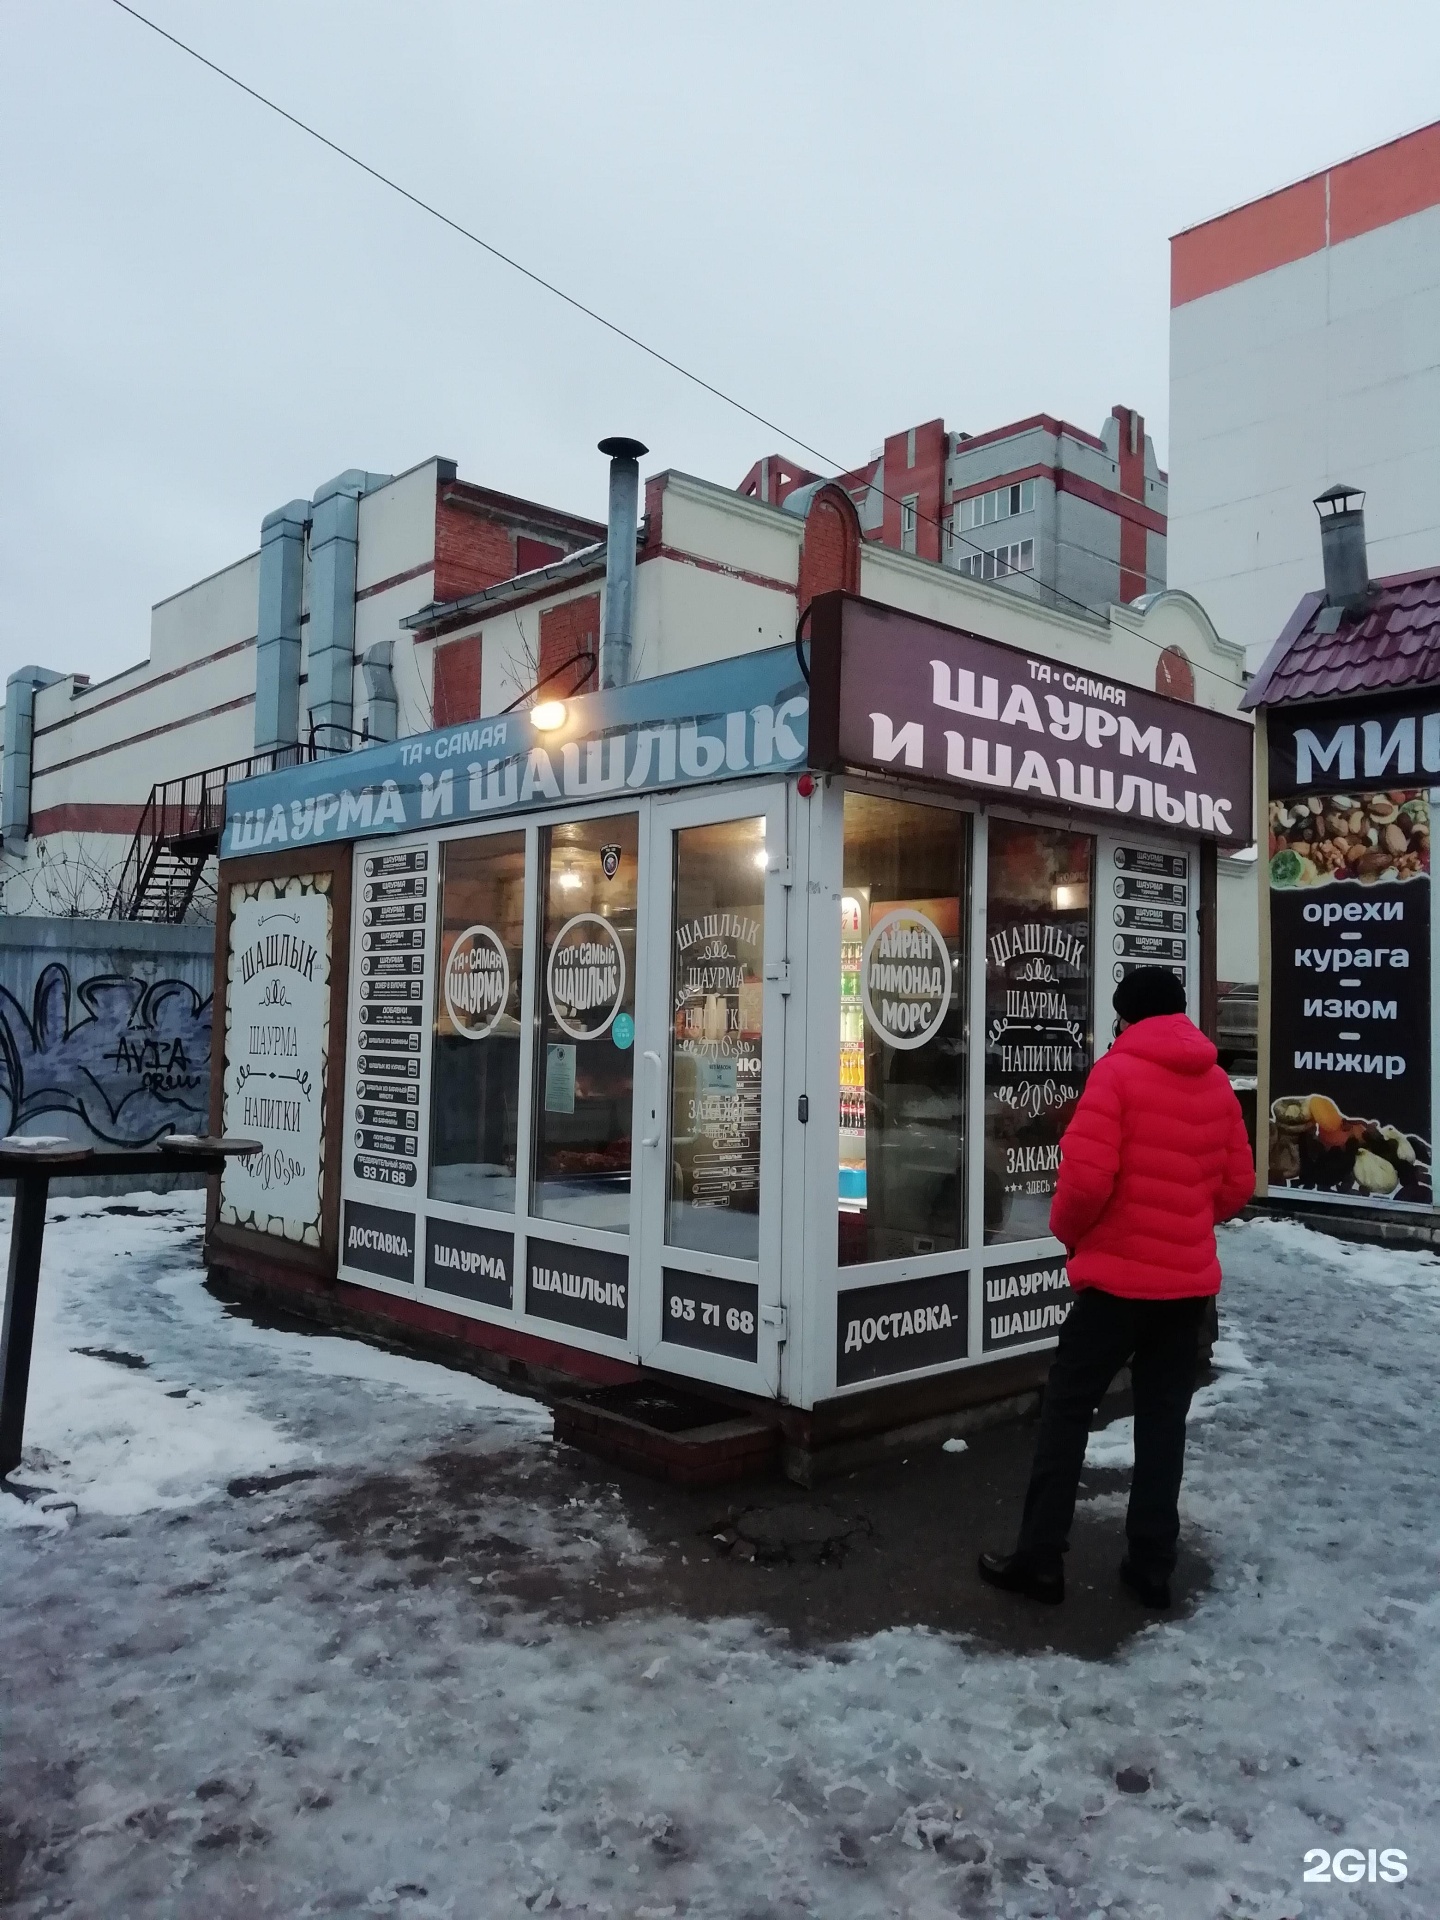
(227, 1697)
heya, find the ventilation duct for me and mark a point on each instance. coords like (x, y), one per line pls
(330, 656)
(382, 709)
(277, 643)
(20, 691)
(617, 627)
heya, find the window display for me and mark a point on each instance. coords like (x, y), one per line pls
(584, 1063)
(717, 996)
(475, 1075)
(1038, 1039)
(903, 1041)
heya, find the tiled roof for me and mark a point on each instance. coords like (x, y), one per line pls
(1394, 643)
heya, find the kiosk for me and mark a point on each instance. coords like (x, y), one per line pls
(722, 1025)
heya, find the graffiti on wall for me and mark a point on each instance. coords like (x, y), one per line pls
(130, 1058)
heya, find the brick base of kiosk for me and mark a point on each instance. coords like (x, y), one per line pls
(511, 1359)
(746, 1437)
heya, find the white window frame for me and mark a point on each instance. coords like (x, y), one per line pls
(909, 522)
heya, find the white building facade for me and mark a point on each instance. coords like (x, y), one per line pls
(384, 607)
(295, 648)
(1305, 351)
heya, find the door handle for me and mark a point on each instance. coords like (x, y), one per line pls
(652, 1139)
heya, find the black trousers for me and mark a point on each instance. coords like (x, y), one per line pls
(1103, 1331)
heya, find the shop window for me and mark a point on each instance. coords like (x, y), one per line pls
(1038, 1038)
(717, 996)
(475, 1073)
(584, 1066)
(903, 1041)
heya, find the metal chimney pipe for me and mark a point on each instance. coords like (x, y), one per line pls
(625, 456)
(1342, 546)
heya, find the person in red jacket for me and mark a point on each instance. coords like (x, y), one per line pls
(1154, 1157)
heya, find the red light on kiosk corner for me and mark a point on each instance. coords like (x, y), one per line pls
(805, 785)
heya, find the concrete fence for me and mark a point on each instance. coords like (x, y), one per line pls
(105, 1031)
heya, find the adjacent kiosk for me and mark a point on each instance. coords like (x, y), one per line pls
(723, 1025)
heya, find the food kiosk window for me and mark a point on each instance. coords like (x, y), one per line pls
(475, 1077)
(717, 996)
(1038, 1039)
(903, 1041)
(584, 1067)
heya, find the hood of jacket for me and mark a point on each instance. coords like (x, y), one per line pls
(1169, 1040)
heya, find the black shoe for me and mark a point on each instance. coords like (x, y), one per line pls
(1150, 1589)
(1013, 1573)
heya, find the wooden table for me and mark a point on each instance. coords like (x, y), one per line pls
(32, 1168)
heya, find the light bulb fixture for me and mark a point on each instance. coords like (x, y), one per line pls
(762, 859)
(548, 715)
(1069, 896)
(569, 880)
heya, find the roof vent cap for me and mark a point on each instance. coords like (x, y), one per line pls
(1342, 546)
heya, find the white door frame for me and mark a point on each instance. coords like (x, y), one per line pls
(651, 1256)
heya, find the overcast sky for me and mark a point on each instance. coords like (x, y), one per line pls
(854, 218)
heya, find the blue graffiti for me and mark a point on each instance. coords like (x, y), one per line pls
(131, 1059)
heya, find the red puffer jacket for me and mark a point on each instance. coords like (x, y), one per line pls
(1154, 1158)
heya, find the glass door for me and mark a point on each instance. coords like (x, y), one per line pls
(709, 1071)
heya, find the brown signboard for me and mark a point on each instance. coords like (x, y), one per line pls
(909, 697)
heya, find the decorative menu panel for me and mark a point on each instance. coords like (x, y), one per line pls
(1038, 1043)
(717, 1001)
(394, 907)
(277, 1030)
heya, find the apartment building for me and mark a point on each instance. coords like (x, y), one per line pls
(1041, 506)
(1304, 354)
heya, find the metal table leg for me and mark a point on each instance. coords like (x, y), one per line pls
(27, 1233)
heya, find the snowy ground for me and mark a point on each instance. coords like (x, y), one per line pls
(306, 1628)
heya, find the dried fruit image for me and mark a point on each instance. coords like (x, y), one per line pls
(1313, 1144)
(1341, 836)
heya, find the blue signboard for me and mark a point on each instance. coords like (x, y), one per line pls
(738, 717)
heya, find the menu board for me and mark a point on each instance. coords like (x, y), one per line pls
(394, 905)
(1350, 996)
(1149, 912)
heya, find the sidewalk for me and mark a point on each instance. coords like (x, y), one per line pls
(306, 1627)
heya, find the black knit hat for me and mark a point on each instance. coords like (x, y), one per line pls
(1148, 991)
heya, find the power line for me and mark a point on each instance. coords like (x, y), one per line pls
(947, 529)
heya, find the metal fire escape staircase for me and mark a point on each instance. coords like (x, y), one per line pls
(179, 834)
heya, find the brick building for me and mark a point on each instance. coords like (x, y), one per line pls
(383, 607)
(1040, 505)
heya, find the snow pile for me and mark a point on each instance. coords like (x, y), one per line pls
(116, 1422)
(1113, 1445)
